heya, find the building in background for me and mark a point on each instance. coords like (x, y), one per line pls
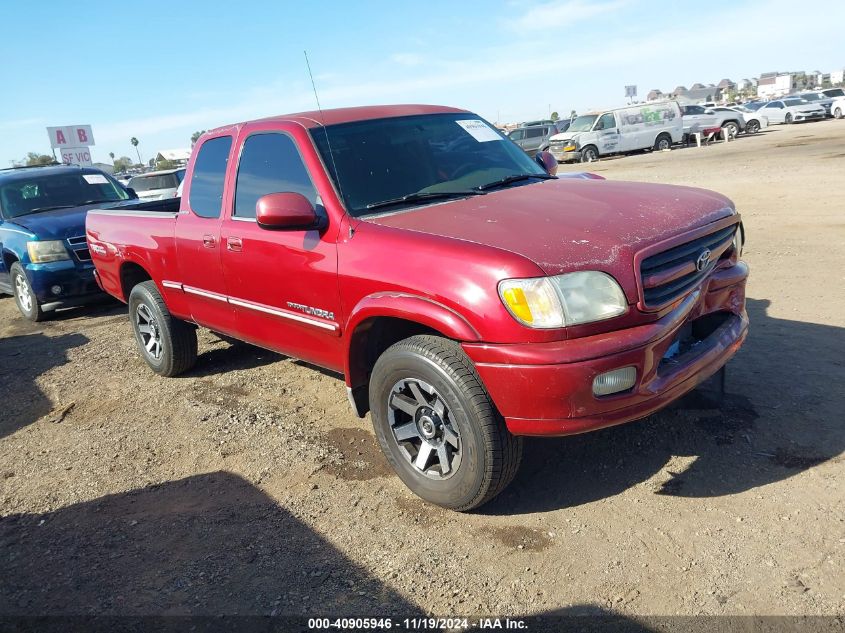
(178, 157)
(837, 76)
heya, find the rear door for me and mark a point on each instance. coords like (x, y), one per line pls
(533, 139)
(282, 283)
(197, 237)
(774, 111)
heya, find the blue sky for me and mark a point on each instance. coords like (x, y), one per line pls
(160, 70)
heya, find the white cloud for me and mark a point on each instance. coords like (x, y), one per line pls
(559, 13)
(407, 59)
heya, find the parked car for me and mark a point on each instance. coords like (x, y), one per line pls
(837, 108)
(754, 121)
(534, 136)
(627, 129)
(817, 98)
(45, 259)
(834, 92)
(697, 118)
(792, 110)
(467, 295)
(157, 185)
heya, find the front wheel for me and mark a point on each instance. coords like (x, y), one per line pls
(438, 427)
(167, 344)
(589, 154)
(25, 298)
(837, 113)
(752, 127)
(788, 119)
(731, 128)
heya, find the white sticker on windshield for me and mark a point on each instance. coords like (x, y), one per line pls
(479, 130)
(95, 179)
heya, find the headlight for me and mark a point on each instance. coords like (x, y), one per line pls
(47, 251)
(739, 240)
(571, 299)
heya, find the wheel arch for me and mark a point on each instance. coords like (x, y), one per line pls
(379, 321)
(131, 274)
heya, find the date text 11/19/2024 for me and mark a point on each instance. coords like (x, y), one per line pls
(416, 624)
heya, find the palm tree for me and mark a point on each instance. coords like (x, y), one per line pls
(134, 142)
(111, 155)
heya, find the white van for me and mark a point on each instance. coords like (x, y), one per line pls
(645, 126)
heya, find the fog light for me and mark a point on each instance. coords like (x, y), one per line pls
(56, 290)
(614, 381)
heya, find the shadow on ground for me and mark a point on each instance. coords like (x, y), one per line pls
(781, 415)
(209, 544)
(24, 358)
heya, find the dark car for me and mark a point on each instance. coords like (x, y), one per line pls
(45, 260)
(534, 136)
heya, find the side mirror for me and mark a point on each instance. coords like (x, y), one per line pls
(547, 162)
(286, 212)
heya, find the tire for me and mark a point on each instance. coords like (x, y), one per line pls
(752, 127)
(837, 113)
(662, 142)
(426, 387)
(589, 154)
(788, 118)
(732, 128)
(25, 298)
(167, 344)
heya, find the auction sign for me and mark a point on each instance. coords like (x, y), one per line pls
(73, 141)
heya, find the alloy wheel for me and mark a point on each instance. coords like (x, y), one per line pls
(424, 428)
(149, 330)
(23, 293)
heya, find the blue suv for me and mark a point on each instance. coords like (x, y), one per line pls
(45, 261)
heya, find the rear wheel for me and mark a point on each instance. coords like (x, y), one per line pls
(25, 298)
(438, 427)
(167, 344)
(752, 127)
(731, 128)
(788, 118)
(662, 143)
(837, 113)
(589, 154)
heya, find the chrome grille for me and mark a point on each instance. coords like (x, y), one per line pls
(79, 246)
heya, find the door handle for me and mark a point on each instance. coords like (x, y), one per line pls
(234, 244)
(208, 241)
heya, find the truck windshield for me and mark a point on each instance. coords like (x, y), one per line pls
(385, 164)
(57, 191)
(155, 181)
(583, 123)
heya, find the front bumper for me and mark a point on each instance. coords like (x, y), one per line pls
(75, 284)
(812, 116)
(546, 388)
(566, 157)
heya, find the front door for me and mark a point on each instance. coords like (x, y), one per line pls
(775, 111)
(607, 134)
(282, 283)
(198, 238)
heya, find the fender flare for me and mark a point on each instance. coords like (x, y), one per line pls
(398, 305)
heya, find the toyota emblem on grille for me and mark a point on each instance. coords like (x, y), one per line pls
(703, 260)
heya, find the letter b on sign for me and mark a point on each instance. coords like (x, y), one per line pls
(82, 134)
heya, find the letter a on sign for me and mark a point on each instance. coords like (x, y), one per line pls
(60, 138)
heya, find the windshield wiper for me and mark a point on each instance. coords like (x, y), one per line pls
(510, 179)
(97, 201)
(425, 195)
(58, 206)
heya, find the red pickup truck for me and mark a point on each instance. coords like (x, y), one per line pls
(468, 296)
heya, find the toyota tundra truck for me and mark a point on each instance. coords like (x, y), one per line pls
(468, 296)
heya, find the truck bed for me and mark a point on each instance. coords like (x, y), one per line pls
(167, 205)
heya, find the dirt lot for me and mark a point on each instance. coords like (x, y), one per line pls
(247, 486)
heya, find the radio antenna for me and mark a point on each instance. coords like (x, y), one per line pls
(326, 132)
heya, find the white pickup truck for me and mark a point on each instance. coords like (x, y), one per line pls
(698, 118)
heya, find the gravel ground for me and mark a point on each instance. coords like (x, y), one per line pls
(247, 486)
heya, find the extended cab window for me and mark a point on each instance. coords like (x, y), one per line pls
(270, 163)
(206, 196)
(534, 132)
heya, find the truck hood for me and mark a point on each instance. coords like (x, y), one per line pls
(568, 224)
(58, 224)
